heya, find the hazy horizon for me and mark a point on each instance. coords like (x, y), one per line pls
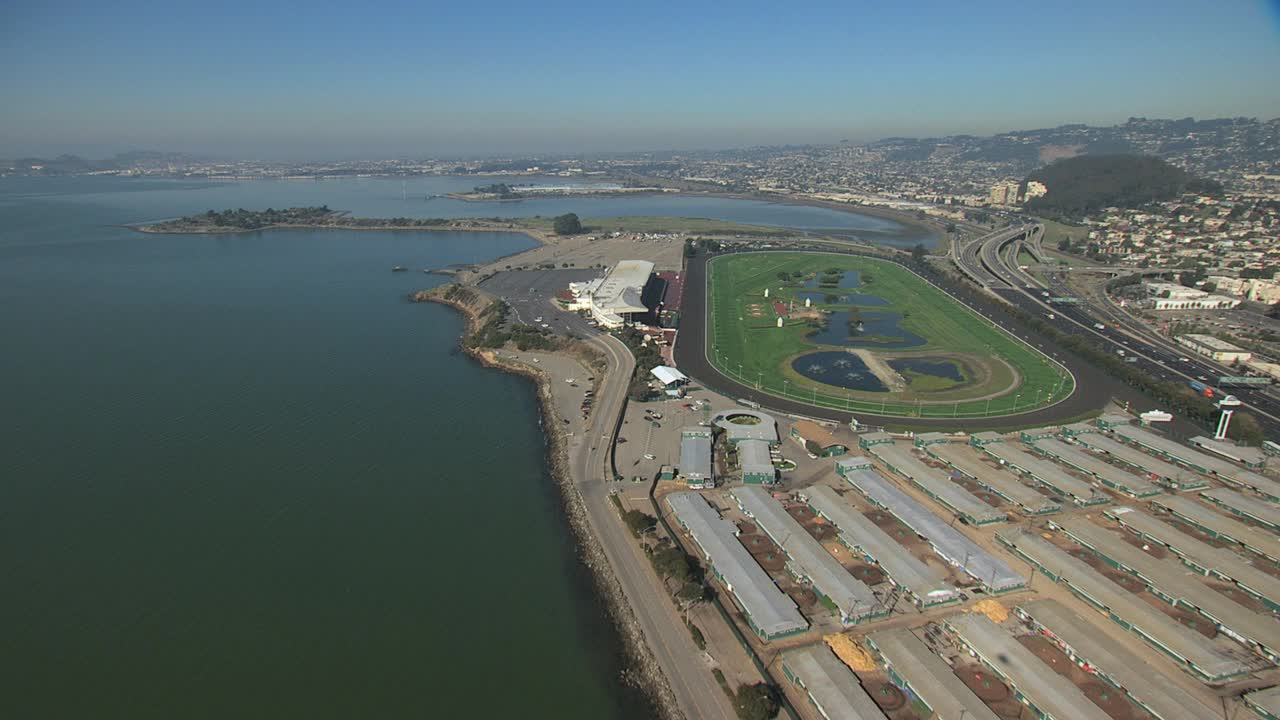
(401, 80)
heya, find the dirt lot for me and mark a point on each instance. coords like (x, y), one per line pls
(990, 690)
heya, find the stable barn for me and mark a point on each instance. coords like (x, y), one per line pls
(816, 439)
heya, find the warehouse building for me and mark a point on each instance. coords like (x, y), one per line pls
(757, 465)
(1217, 525)
(1250, 457)
(1210, 346)
(964, 459)
(1109, 475)
(1176, 478)
(1199, 461)
(936, 484)
(1051, 695)
(1168, 581)
(922, 583)
(613, 299)
(924, 677)
(816, 439)
(695, 457)
(1245, 506)
(1113, 662)
(1201, 556)
(1046, 473)
(947, 542)
(770, 613)
(807, 559)
(1187, 647)
(833, 689)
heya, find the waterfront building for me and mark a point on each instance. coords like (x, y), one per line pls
(617, 296)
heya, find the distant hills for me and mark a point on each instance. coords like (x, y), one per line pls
(77, 165)
(1085, 184)
(1202, 146)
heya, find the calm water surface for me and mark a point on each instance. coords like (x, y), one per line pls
(242, 477)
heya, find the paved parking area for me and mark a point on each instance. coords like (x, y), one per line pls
(531, 295)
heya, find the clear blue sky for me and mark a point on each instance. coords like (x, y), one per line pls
(323, 79)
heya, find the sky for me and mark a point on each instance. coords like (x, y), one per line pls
(324, 80)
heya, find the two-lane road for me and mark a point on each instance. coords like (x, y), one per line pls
(688, 676)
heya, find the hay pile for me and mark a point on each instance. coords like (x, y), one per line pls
(993, 610)
(850, 652)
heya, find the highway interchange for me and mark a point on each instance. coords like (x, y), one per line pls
(986, 260)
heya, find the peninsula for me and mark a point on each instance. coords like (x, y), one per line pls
(542, 229)
(241, 220)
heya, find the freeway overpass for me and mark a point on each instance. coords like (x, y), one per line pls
(980, 259)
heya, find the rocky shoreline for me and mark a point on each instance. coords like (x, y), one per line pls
(648, 674)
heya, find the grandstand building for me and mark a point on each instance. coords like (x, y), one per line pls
(614, 299)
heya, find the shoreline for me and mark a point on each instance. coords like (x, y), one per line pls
(473, 198)
(640, 658)
(902, 217)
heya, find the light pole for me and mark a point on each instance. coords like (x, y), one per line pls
(759, 376)
(785, 383)
(988, 411)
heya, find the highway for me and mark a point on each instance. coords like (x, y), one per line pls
(1120, 334)
(696, 691)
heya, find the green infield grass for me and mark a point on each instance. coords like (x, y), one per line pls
(930, 355)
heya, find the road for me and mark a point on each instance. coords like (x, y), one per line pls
(1119, 334)
(696, 691)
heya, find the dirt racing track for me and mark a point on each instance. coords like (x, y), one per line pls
(1093, 387)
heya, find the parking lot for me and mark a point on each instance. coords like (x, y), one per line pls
(531, 293)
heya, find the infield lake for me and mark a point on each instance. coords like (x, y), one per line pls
(243, 477)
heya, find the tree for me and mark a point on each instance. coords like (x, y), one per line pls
(918, 254)
(639, 522)
(567, 224)
(755, 702)
(672, 562)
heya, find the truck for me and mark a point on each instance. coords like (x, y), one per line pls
(1201, 388)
